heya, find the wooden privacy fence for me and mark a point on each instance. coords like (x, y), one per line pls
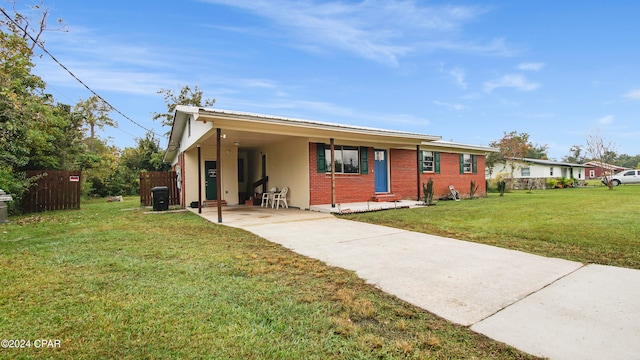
(52, 190)
(151, 179)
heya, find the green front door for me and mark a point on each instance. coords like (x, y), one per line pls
(211, 180)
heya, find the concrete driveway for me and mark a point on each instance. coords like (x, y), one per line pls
(544, 306)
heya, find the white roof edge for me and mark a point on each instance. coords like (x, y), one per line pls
(549, 162)
(310, 123)
(173, 144)
(454, 145)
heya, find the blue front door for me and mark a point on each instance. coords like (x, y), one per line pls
(380, 169)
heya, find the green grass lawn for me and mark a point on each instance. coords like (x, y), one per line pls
(110, 281)
(591, 225)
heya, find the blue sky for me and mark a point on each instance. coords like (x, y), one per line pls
(467, 71)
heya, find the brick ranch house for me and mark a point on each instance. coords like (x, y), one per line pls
(230, 156)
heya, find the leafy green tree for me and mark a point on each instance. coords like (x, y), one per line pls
(514, 146)
(576, 155)
(94, 113)
(186, 96)
(35, 133)
(146, 156)
(537, 152)
(627, 161)
(20, 94)
(100, 164)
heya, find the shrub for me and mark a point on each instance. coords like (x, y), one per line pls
(502, 186)
(472, 189)
(566, 182)
(428, 192)
(551, 183)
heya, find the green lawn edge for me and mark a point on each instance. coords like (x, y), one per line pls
(111, 281)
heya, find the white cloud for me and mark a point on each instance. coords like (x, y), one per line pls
(515, 81)
(459, 77)
(606, 120)
(255, 83)
(496, 47)
(537, 66)
(633, 94)
(100, 78)
(378, 30)
(456, 107)
(106, 63)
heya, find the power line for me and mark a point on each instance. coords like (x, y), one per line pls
(41, 46)
(49, 86)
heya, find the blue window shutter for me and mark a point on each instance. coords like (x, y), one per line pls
(364, 159)
(437, 162)
(461, 163)
(322, 161)
(420, 162)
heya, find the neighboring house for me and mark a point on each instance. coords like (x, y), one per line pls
(526, 172)
(256, 152)
(597, 169)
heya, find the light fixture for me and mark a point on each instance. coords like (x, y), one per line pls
(236, 143)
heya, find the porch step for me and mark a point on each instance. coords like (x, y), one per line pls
(213, 203)
(384, 197)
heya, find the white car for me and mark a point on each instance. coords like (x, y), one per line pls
(625, 177)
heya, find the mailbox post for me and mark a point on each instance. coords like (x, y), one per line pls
(4, 197)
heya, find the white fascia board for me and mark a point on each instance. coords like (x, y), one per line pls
(308, 124)
(458, 146)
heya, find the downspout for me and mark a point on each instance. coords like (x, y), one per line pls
(333, 174)
(218, 175)
(419, 159)
(199, 182)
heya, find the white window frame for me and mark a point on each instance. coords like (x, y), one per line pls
(468, 163)
(428, 161)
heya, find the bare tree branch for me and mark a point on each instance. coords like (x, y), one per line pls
(602, 151)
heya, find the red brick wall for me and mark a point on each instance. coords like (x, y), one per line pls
(402, 178)
(349, 188)
(404, 172)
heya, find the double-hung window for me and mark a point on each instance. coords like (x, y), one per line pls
(430, 161)
(525, 172)
(468, 164)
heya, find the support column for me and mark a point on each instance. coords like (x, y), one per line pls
(333, 173)
(219, 175)
(199, 182)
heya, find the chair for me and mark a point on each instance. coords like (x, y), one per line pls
(280, 197)
(268, 197)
